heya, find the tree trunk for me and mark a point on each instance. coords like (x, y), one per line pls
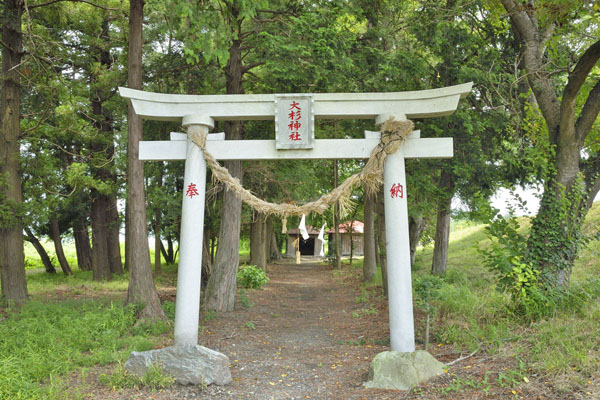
(30, 237)
(369, 262)
(141, 283)
(170, 255)
(100, 264)
(126, 266)
(206, 262)
(113, 233)
(222, 285)
(157, 243)
(442, 226)
(157, 228)
(221, 288)
(416, 226)
(60, 254)
(102, 203)
(336, 221)
(258, 243)
(382, 244)
(82, 245)
(274, 252)
(12, 256)
(555, 234)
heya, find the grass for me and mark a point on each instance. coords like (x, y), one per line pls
(472, 314)
(44, 341)
(73, 324)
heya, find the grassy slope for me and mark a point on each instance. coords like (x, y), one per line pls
(472, 314)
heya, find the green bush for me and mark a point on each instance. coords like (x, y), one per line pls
(251, 277)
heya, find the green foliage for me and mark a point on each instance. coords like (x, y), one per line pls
(556, 233)
(516, 277)
(155, 378)
(251, 277)
(44, 341)
(169, 309)
(209, 315)
(243, 299)
(9, 210)
(426, 289)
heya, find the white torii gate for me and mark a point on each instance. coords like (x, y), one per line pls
(200, 112)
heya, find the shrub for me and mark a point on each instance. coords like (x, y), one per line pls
(251, 277)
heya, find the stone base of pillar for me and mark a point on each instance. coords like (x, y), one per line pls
(187, 364)
(402, 371)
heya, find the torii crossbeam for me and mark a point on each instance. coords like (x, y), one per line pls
(200, 112)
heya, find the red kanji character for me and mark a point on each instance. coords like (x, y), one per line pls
(294, 136)
(192, 191)
(397, 190)
(297, 125)
(294, 105)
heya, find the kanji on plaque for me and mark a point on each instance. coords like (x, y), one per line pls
(192, 191)
(397, 190)
(294, 121)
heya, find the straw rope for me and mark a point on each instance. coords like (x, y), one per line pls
(393, 134)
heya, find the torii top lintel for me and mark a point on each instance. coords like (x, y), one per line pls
(414, 104)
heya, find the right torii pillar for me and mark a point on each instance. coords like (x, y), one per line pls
(397, 252)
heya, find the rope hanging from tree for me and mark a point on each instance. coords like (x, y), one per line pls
(393, 134)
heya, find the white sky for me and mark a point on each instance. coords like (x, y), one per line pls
(503, 198)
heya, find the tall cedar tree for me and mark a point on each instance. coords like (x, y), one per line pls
(12, 258)
(141, 284)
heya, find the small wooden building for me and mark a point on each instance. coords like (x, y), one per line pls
(309, 247)
(351, 233)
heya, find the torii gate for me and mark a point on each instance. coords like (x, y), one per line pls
(200, 112)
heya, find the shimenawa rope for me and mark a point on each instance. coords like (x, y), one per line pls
(393, 134)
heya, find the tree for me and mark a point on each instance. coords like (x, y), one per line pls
(560, 64)
(141, 284)
(369, 264)
(462, 48)
(12, 258)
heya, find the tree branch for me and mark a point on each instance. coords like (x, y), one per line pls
(582, 69)
(537, 75)
(588, 114)
(250, 66)
(576, 80)
(73, 1)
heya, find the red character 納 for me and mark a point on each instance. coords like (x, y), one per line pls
(397, 191)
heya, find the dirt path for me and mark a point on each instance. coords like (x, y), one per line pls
(305, 336)
(308, 341)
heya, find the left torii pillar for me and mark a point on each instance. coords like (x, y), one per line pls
(189, 273)
(186, 361)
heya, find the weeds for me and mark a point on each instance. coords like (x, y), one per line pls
(243, 299)
(155, 378)
(44, 341)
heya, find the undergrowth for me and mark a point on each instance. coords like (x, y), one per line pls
(475, 311)
(43, 342)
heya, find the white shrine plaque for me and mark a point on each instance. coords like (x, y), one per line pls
(294, 121)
